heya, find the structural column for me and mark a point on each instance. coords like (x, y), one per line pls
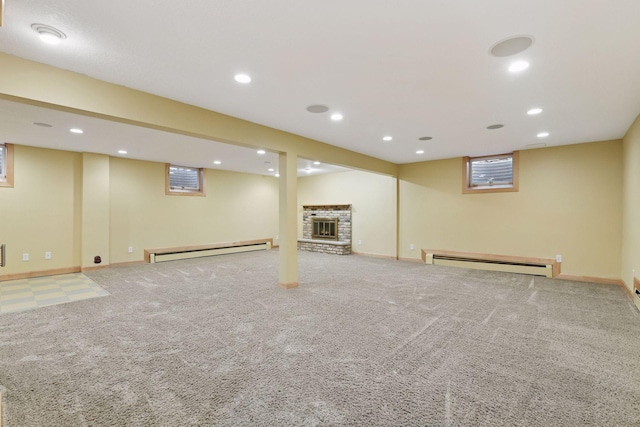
(288, 210)
(95, 211)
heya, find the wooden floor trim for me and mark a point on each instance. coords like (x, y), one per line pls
(370, 255)
(32, 274)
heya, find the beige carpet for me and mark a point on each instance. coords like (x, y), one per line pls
(363, 341)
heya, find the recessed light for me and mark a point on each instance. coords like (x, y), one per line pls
(543, 134)
(44, 125)
(534, 111)
(387, 138)
(76, 130)
(317, 109)
(336, 117)
(122, 151)
(420, 152)
(425, 138)
(217, 162)
(260, 152)
(277, 175)
(511, 46)
(271, 170)
(48, 34)
(497, 126)
(518, 66)
(242, 78)
(316, 163)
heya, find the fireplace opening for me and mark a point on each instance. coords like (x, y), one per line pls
(324, 228)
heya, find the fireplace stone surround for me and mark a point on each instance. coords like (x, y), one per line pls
(340, 246)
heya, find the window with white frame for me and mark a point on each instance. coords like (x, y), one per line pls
(6, 165)
(490, 174)
(184, 181)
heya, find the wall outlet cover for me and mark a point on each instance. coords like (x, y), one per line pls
(47, 255)
(25, 257)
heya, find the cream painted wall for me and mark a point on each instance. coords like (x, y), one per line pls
(569, 204)
(373, 200)
(40, 213)
(95, 209)
(237, 207)
(631, 205)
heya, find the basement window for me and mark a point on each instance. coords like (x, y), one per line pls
(490, 174)
(6, 165)
(184, 181)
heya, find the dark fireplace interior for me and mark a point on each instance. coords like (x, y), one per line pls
(324, 228)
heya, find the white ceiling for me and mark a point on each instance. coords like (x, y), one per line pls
(106, 137)
(408, 69)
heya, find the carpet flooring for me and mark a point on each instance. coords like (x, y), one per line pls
(362, 341)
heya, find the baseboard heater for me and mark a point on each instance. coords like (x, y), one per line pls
(186, 252)
(547, 267)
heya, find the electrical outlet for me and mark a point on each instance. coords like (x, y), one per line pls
(411, 246)
(558, 258)
(276, 237)
(25, 257)
(47, 255)
(359, 242)
(130, 250)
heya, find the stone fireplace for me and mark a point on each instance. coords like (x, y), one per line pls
(326, 228)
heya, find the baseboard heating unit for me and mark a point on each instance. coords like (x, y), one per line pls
(547, 267)
(186, 252)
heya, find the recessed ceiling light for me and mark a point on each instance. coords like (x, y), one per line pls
(425, 138)
(317, 108)
(497, 126)
(261, 152)
(44, 125)
(217, 162)
(534, 111)
(518, 66)
(48, 34)
(271, 170)
(420, 152)
(387, 138)
(511, 46)
(543, 134)
(122, 151)
(242, 78)
(76, 130)
(316, 163)
(336, 117)
(277, 175)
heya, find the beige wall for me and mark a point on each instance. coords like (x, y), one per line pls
(79, 205)
(631, 205)
(373, 200)
(41, 213)
(95, 209)
(569, 204)
(237, 207)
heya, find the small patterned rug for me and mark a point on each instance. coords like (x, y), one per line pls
(26, 294)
